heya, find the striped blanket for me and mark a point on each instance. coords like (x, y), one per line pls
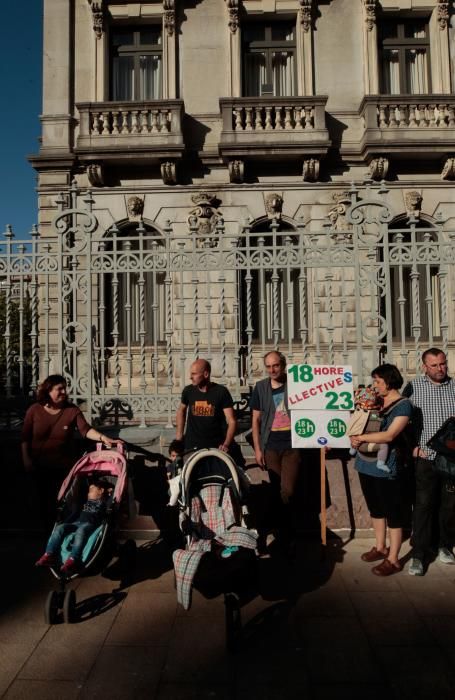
(211, 522)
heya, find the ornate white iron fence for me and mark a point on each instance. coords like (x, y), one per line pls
(122, 313)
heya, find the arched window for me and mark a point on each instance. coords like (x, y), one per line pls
(269, 291)
(414, 281)
(134, 290)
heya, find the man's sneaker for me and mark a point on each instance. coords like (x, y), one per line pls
(47, 560)
(416, 567)
(70, 567)
(445, 556)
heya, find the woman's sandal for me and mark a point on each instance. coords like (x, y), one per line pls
(387, 568)
(374, 555)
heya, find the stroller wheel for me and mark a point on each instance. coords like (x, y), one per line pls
(51, 608)
(69, 605)
(233, 620)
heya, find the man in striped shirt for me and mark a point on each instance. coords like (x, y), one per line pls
(433, 397)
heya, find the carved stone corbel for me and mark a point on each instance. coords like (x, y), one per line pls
(204, 215)
(370, 10)
(443, 13)
(448, 171)
(236, 170)
(413, 202)
(233, 12)
(135, 208)
(98, 8)
(338, 216)
(95, 174)
(169, 16)
(311, 169)
(273, 205)
(306, 14)
(169, 172)
(379, 168)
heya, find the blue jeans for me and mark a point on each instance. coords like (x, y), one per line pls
(82, 532)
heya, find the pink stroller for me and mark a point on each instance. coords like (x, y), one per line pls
(111, 466)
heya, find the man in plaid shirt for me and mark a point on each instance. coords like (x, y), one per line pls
(433, 397)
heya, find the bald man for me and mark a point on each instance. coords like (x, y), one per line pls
(207, 410)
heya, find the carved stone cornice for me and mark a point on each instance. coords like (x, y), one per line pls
(379, 168)
(236, 170)
(135, 208)
(95, 174)
(306, 14)
(233, 12)
(413, 202)
(204, 215)
(169, 16)
(448, 171)
(311, 170)
(273, 205)
(169, 172)
(370, 10)
(98, 13)
(443, 14)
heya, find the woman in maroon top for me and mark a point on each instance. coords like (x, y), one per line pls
(48, 447)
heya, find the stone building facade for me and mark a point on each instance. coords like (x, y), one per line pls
(254, 174)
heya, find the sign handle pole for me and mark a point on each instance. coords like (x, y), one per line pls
(323, 500)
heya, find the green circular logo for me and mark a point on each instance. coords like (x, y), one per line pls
(336, 428)
(305, 428)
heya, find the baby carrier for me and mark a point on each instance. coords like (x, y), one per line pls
(110, 466)
(212, 512)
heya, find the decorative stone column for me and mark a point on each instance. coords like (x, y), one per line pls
(235, 57)
(370, 47)
(304, 42)
(169, 51)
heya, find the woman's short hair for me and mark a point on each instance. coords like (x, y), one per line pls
(42, 395)
(390, 374)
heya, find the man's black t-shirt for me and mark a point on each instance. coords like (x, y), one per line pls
(206, 423)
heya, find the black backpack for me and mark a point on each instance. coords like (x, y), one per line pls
(443, 442)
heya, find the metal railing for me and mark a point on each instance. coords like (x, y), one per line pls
(123, 314)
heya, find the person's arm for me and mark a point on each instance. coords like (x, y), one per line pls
(256, 417)
(385, 436)
(231, 428)
(93, 434)
(180, 419)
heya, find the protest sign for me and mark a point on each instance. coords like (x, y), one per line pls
(320, 429)
(320, 387)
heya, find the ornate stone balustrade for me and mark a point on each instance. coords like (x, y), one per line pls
(407, 124)
(107, 126)
(273, 127)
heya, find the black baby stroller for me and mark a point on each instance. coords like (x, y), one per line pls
(220, 549)
(110, 466)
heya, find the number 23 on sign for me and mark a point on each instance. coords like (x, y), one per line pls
(320, 387)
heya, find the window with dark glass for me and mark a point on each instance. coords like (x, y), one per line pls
(404, 49)
(269, 65)
(414, 289)
(136, 63)
(136, 287)
(269, 294)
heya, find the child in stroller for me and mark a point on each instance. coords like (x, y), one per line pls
(212, 510)
(82, 526)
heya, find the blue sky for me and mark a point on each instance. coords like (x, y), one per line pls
(20, 107)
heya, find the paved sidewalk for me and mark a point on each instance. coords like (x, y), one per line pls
(315, 629)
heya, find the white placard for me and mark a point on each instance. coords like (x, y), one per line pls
(320, 387)
(320, 428)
